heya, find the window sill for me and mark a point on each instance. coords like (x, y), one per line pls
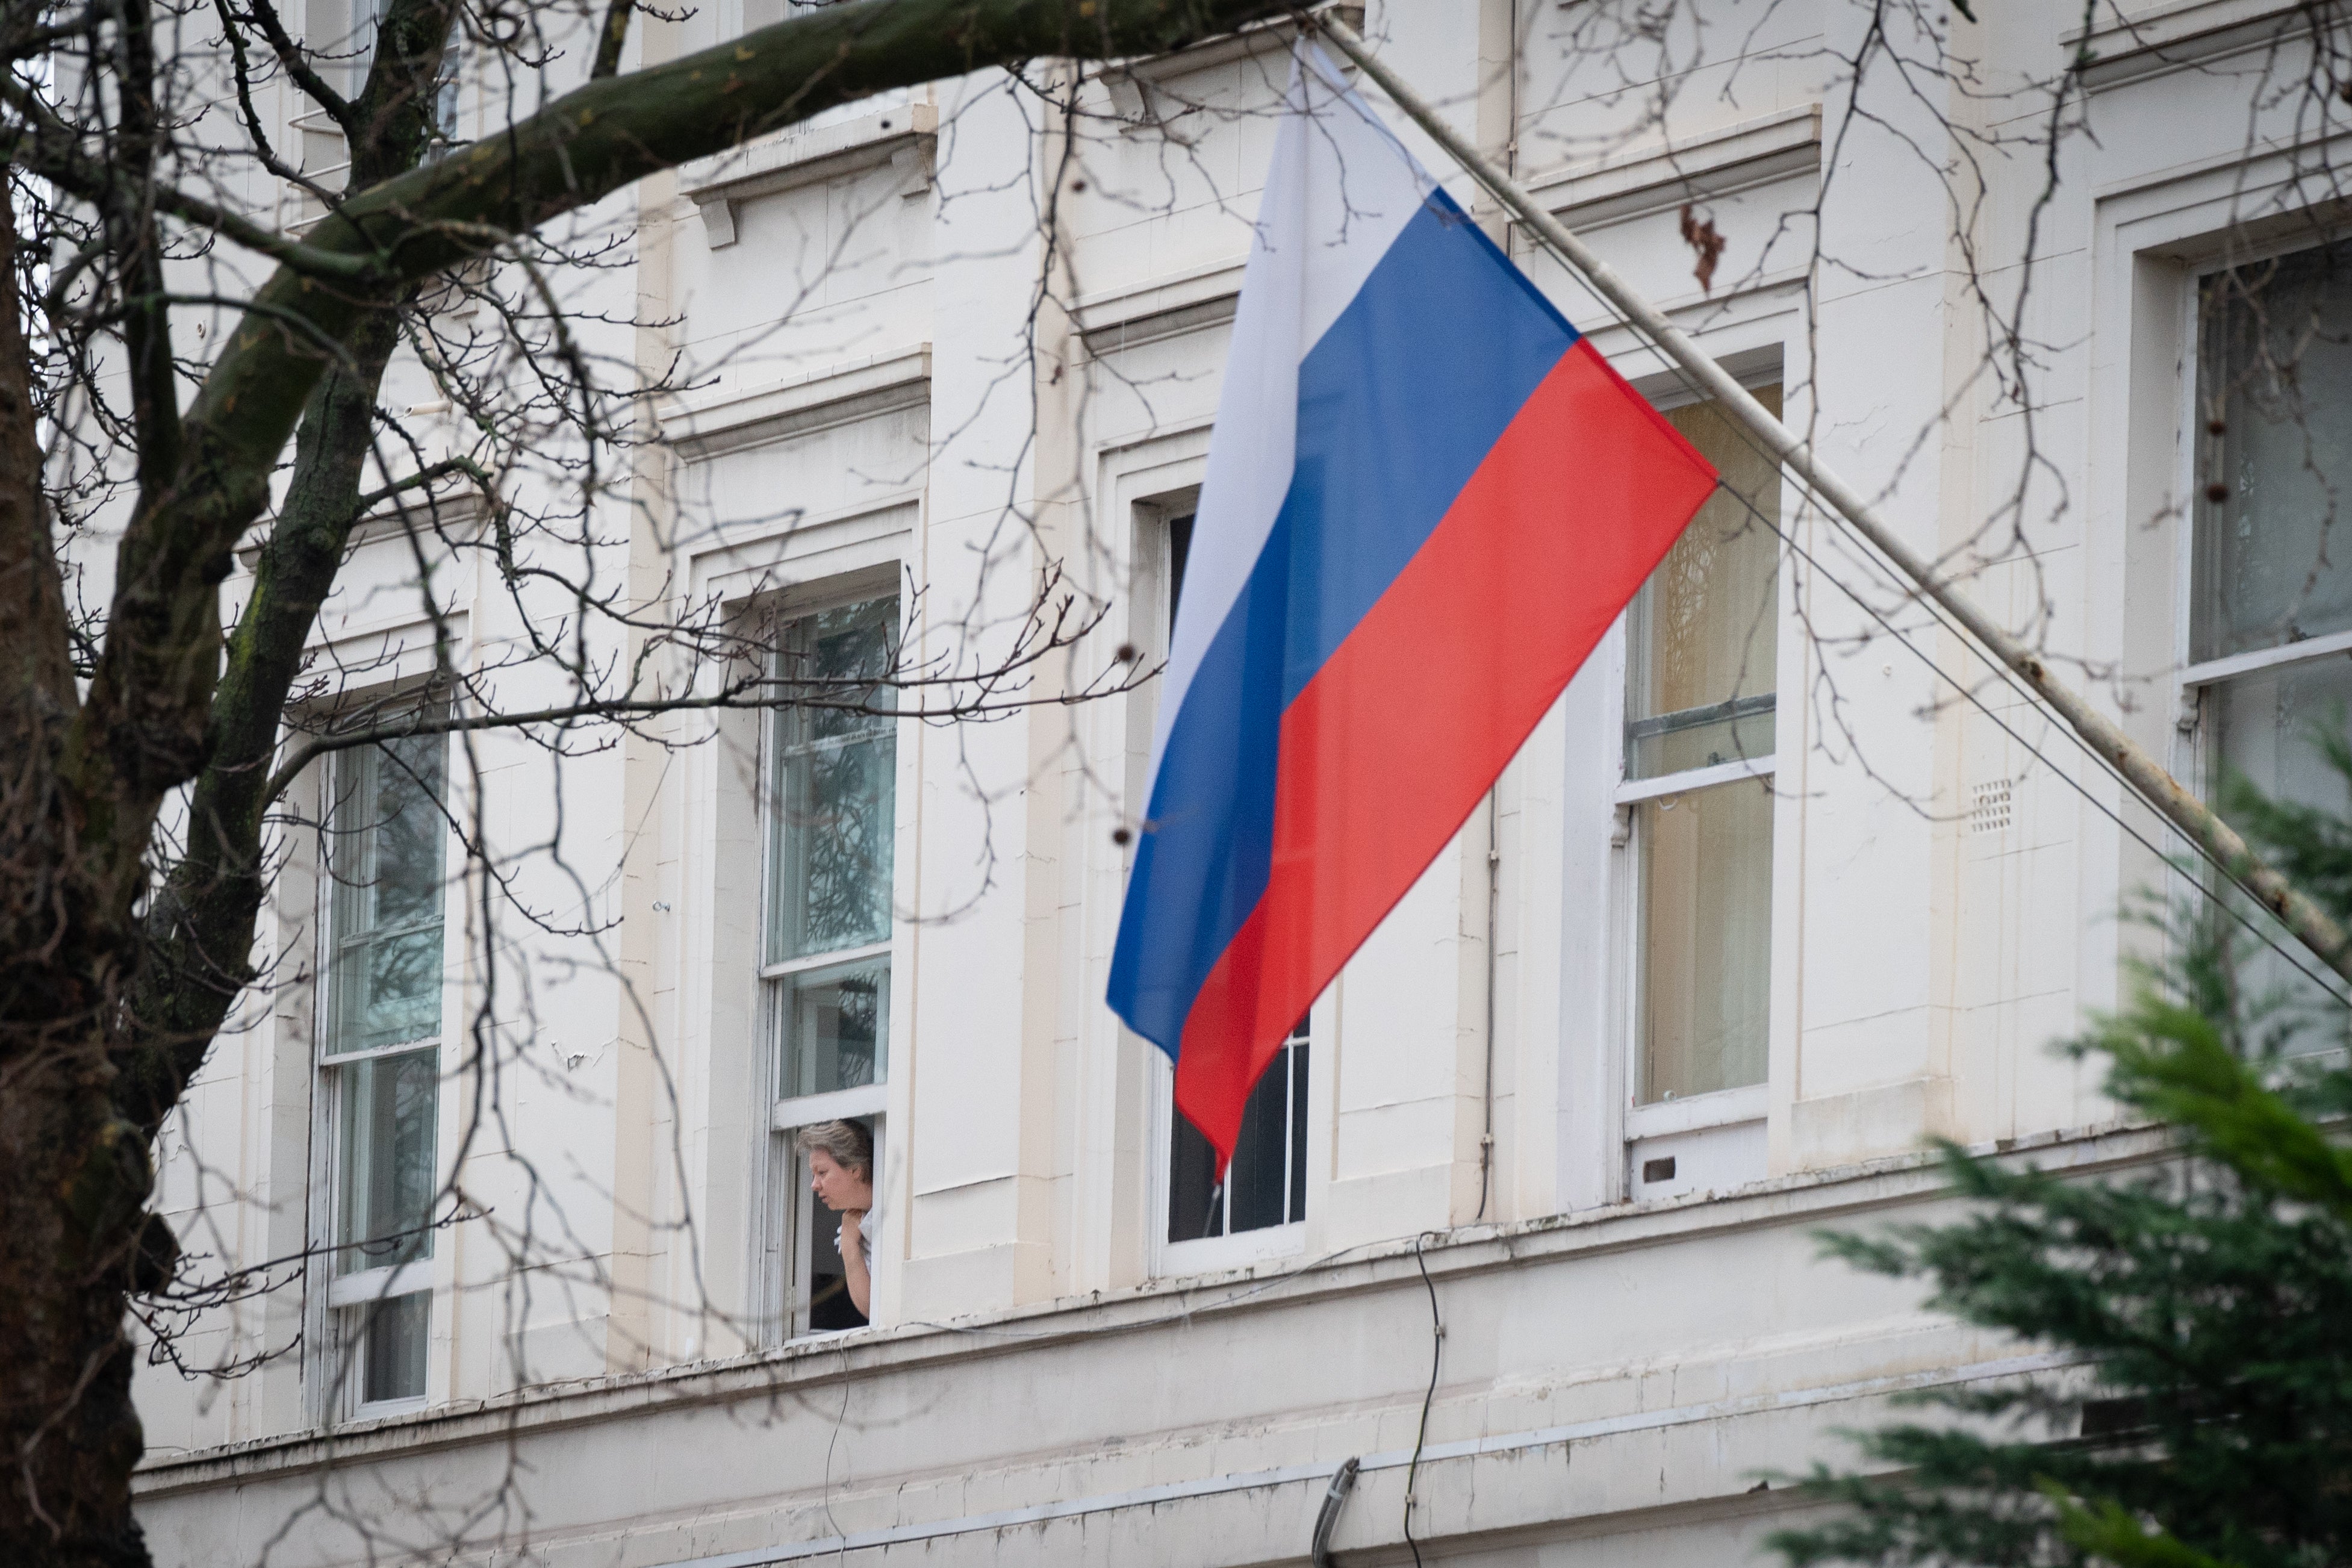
(826, 1336)
(387, 1410)
(1218, 1253)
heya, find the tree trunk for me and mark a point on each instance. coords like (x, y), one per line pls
(108, 1022)
(73, 1173)
(69, 1219)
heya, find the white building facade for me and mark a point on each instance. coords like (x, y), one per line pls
(1778, 892)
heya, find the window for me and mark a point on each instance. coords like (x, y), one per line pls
(826, 970)
(1695, 801)
(2270, 624)
(735, 17)
(342, 43)
(1265, 1186)
(380, 1065)
(758, 13)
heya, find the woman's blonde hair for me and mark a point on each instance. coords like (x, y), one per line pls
(847, 1143)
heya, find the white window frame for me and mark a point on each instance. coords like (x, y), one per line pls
(336, 1378)
(1719, 1111)
(1718, 1107)
(790, 1208)
(787, 1209)
(1214, 1254)
(2194, 759)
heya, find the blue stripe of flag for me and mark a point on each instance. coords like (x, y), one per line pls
(1398, 403)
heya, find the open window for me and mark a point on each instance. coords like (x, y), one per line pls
(2267, 665)
(831, 809)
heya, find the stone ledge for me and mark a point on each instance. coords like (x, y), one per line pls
(1158, 308)
(1643, 180)
(903, 136)
(837, 394)
(2153, 41)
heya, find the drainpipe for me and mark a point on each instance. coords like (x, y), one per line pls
(1343, 1482)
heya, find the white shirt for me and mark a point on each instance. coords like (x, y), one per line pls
(864, 1235)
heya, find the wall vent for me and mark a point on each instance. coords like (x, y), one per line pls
(1989, 807)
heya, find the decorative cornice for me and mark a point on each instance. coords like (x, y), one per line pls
(903, 136)
(1660, 176)
(1158, 307)
(1139, 98)
(838, 395)
(2155, 40)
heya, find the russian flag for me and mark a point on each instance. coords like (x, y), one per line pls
(1427, 498)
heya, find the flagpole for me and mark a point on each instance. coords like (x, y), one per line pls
(2311, 925)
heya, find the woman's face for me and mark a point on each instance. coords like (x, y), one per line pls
(836, 1186)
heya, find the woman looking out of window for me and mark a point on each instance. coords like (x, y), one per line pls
(841, 1174)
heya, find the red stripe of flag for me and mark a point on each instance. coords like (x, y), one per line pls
(1387, 749)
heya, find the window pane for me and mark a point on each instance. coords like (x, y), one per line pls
(1299, 1129)
(2264, 729)
(1703, 642)
(1196, 1204)
(1706, 909)
(395, 1337)
(2263, 732)
(829, 875)
(2272, 564)
(1261, 1169)
(1261, 1158)
(1180, 555)
(408, 830)
(385, 838)
(836, 1028)
(1266, 1182)
(386, 1181)
(389, 990)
